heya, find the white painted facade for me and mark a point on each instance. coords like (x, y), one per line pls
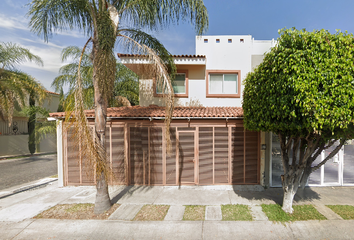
(230, 52)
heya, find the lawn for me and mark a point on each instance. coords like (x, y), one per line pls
(345, 211)
(238, 212)
(301, 213)
(194, 213)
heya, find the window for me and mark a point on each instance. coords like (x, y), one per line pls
(180, 85)
(223, 83)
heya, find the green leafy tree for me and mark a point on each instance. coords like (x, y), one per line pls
(16, 86)
(108, 23)
(125, 84)
(303, 91)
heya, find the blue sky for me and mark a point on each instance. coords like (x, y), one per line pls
(259, 18)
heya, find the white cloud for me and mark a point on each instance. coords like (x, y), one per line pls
(43, 43)
(50, 56)
(18, 22)
(21, 22)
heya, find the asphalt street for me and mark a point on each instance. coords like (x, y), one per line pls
(23, 170)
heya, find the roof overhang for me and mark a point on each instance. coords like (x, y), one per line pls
(178, 59)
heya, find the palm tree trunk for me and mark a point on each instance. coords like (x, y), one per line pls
(103, 202)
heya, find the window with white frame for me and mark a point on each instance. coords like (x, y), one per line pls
(223, 83)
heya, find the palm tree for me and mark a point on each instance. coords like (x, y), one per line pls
(16, 86)
(107, 23)
(125, 85)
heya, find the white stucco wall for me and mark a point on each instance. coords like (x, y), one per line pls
(242, 53)
(51, 102)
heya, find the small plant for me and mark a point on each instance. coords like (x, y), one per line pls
(345, 211)
(194, 213)
(236, 212)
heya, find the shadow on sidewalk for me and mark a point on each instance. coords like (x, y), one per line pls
(276, 195)
(128, 191)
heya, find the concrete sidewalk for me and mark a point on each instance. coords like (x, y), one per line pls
(17, 208)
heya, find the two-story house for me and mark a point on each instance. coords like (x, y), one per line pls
(210, 145)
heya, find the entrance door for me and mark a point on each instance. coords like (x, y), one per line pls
(186, 157)
(331, 171)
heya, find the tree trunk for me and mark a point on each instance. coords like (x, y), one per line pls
(290, 183)
(103, 202)
(32, 125)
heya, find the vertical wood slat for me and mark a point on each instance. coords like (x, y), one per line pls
(229, 154)
(177, 158)
(149, 160)
(80, 160)
(196, 155)
(126, 154)
(217, 150)
(205, 156)
(164, 162)
(94, 135)
(110, 151)
(213, 155)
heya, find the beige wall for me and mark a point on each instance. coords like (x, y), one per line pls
(196, 73)
(51, 102)
(18, 145)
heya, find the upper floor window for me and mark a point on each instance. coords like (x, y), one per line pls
(223, 83)
(179, 85)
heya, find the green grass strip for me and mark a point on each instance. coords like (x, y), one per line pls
(345, 211)
(238, 212)
(301, 213)
(194, 213)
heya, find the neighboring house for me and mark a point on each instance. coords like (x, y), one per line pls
(14, 139)
(209, 143)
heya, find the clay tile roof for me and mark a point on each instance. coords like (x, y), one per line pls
(120, 55)
(52, 92)
(159, 112)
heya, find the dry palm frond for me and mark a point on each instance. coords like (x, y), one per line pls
(90, 148)
(158, 69)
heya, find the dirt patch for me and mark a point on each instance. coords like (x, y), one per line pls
(152, 213)
(75, 211)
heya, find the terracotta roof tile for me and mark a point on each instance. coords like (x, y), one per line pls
(159, 112)
(52, 92)
(120, 55)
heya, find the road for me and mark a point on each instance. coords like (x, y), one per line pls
(23, 170)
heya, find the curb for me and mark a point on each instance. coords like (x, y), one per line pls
(39, 184)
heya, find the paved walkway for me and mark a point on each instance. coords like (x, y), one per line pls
(19, 205)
